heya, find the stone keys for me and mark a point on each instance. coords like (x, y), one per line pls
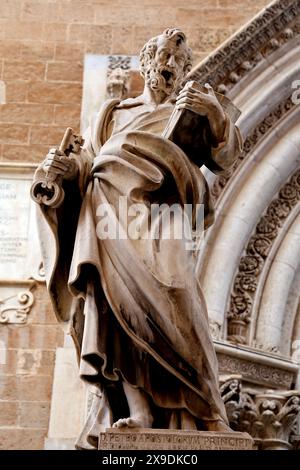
(49, 190)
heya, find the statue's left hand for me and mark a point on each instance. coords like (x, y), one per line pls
(205, 104)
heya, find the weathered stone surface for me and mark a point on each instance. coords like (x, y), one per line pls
(9, 413)
(41, 92)
(26, 113)
(67, 113)
(164, 439)
(24, 70)
(21, 438)
(46, 135)
(34, 414)
(19, 153)
(13, 134)
(64, 72)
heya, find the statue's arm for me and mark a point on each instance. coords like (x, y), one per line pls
(224, 154)
(76, 167)
(226, 143)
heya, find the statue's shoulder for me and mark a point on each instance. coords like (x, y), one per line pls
(130, 103)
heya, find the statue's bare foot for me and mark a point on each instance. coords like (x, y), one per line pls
(135, 422)
(217, 426)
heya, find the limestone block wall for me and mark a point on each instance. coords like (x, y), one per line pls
(42, 46)
(26, 375)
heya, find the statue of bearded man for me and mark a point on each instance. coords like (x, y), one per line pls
(133, 304)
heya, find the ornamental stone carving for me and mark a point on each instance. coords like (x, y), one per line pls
(252, 262)
(16, 308)
(269, 417)
(265, 375)
(250, 142)
(117, 83)
(275, 26)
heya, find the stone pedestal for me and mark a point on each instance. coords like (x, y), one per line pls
(166, 439)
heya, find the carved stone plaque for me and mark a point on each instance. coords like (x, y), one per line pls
(19, 247)
(165, 439)
(16, 222)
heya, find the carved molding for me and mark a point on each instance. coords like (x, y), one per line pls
(255, 255)
(251, 141)
(275, 26)
(262, 374)
(15, 307)
(269, 417)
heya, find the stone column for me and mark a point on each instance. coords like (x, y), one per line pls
(270, 417)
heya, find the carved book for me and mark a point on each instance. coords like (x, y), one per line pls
(191, 131)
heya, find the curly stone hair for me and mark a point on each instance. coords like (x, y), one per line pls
(147, 53)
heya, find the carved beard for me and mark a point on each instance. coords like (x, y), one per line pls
(162, 78)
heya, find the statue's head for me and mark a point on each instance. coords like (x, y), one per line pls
(165, 60)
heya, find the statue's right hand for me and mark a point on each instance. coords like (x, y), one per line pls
(57, 163)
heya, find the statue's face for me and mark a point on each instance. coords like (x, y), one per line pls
(166, 70)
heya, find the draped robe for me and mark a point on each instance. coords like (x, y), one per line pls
(134, 307)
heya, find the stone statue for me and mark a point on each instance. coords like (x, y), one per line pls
(133, 304)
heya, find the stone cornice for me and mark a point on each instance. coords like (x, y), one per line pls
(255, 366)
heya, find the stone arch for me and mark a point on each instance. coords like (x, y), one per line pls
(258, 77)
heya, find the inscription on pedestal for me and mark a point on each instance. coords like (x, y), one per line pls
(164, 439)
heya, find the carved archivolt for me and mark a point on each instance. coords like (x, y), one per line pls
(252, 262)
(277, 24)
(251, 141)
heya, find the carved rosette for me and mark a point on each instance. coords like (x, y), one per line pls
(252, 262)
(269, 417)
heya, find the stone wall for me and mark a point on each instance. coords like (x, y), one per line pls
(26, 376)
(42, 46)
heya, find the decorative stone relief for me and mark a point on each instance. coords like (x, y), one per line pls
(215, 329)
(275, 26)
(105, 76)
(251, 141)
(15, 307)
(117, 83)
(119, 62)
(262, 374)
(252, 262)
(269, 417)
(118, 76)
(20, 257)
